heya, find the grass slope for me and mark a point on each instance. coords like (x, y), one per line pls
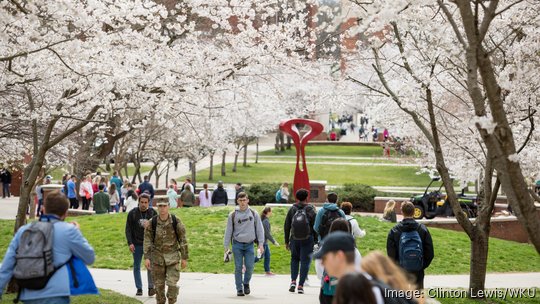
(205, 229)
(333, 174)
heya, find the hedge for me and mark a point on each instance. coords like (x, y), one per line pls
(362, 197)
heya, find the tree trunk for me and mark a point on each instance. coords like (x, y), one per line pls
(257, 151)
(289, 142)
(126, 171)
(223, 168)
(107, 164)
(193, 174)
(479, 255)
(167, 175)
(281, 141)
(235, 160)
(211, 171)
(245, 156)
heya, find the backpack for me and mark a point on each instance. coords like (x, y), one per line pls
(328, 217)
(154, 226)
(411, 253)
(34, 257)
(301, 228)
(278, 196)
(254, 223)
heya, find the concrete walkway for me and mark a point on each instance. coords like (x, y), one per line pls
(219, 288)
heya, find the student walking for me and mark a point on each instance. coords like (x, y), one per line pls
(410, 245)
(67, 240)
(266, 214)
(244, 228)
(138, 219)
(299, 238)
(165, 252)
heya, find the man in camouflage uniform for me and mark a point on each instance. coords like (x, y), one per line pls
(165, 252)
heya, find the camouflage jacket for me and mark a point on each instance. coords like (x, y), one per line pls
(166, 249)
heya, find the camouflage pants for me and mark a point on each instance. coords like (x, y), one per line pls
(169, 275)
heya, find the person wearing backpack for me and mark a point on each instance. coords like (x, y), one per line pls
(62, 240)
(299, 238)
(410, 245)
(326, 215)
(244, 229)
(165, 252)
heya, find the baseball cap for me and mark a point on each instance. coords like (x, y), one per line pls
(336, 241)
(162, 203)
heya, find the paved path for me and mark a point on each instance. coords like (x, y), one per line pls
(219, 288)
(364, 164)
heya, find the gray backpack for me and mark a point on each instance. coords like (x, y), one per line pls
(34, 257)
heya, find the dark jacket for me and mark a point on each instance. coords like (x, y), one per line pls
(219, 197)
(409, 224)
(5, 177)
(146, 186)
(134, 228)
(311, 213)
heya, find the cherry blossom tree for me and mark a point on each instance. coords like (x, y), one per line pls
(449, 95)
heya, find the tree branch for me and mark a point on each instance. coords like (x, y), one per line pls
(8, 58)
(71, 130)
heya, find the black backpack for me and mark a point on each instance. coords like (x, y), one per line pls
(154, 226)
(328, 217)
(301, 227)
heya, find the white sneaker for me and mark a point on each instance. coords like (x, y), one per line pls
(306, 283)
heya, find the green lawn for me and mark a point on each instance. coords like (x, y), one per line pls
(327, 159)
(106, 297)
(205, 229)
(330, 150)
(333, 174)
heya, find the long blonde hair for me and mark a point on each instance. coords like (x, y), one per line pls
(390, 205)
(386, 270)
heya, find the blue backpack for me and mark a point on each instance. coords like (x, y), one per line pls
(278, 196)
(411, 251)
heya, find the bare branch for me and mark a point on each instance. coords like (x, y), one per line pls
(8, 58)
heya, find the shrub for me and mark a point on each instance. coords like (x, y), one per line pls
(362, 197)
(262, 193)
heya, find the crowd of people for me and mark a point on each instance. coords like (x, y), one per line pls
(328, 237)
(325, 236)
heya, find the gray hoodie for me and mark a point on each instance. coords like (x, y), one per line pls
(246, 228)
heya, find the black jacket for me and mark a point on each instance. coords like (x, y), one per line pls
(134, 228)
(219, 197)
(311, 213)
(409, 224)
(5, 177)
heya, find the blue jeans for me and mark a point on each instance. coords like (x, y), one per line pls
(301, 254)
(137, 258)
(54, 300)
(5, 190)
(243, 255)
(266, 258)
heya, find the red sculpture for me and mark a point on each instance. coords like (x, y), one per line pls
(301, 178)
